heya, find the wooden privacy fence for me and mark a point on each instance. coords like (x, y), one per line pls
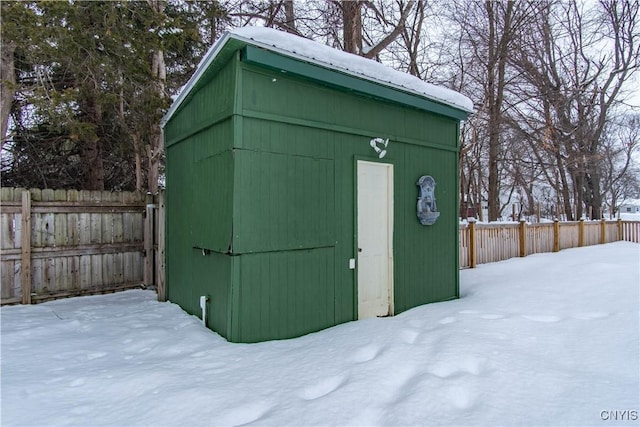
(63, 243)
(67, 242)
(483, 243)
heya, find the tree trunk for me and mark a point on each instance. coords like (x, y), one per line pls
(564, 190)
(91, 150)
(7, 85)
(593, 192)
(154, 163)
(531, 203)
(374, 51)
(478, 195)
(412, 37)
(137, 149)
(159, 77)
(289, 17)
(352, 26)
(154, 148)
(496, 66)
(462, 192)
(93, 165)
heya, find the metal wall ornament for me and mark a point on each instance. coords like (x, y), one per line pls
(380, 146)
(427, 209)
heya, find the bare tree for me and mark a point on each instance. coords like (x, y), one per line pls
(289, 23)
(280, 14)
(619, 174)
(154, 146)
(364, 28)
(411, 37)
(7, 74)
(486, 33)
(499, 37)
(471, 170)
(578, 62)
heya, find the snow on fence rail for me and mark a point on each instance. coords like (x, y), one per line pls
(58, 243)
(483, 243)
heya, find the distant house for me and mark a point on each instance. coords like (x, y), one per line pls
(632, 207)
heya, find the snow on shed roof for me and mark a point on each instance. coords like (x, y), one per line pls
(327, 57)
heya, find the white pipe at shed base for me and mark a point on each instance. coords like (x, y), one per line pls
(203, 306)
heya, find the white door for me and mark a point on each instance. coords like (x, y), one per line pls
(375, 239)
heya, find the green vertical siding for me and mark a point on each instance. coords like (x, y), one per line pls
(283, 235)
(212, 218)
(200, 186)
(199, 140)
(282, 202)
(345, 278)
(284, 294)
(210, 276)
(261, 174)
(295, 188)
(178, 231)
(286, 138)
(199, 195)
(425, 256)
(206, 106)
(323, 107)
(335, 79)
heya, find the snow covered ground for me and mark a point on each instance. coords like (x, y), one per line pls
(551, 339)
(630, 216)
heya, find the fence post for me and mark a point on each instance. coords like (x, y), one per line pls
(581, 232)
(160, 262)
(620, 234)
(148, 242)
(603, 232)
(556, 235)
(472, 244)
(25, 260)
(523, 238)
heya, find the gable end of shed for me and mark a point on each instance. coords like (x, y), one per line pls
(344, 82)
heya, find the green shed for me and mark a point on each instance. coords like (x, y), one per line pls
(307, 187)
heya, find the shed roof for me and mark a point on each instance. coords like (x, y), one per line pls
(315, 53)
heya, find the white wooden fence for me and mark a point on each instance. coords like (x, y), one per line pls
(483, 243)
